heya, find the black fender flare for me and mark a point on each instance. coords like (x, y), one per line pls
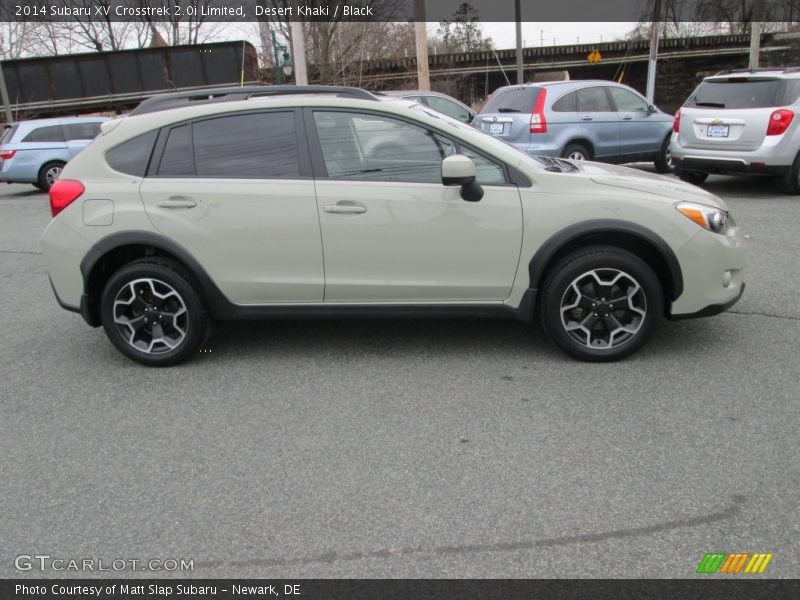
(543, 255)
(219, 305)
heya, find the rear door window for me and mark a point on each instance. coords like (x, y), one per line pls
(738, 92)
(253, 145)
(49, 133)
(512, 100)
(593, 99)
(82, 131)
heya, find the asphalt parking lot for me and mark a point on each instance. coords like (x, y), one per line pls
(405, 448)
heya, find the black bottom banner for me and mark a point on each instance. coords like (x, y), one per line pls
(397, 589)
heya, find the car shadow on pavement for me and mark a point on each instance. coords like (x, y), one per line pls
(382, 337)
(21, 192)
(388, 338)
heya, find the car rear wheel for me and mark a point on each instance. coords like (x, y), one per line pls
(576, 152)
(663, 162)
(48, 174)
(790, 181)
(693, 177)
(152, 313)
(600, 303)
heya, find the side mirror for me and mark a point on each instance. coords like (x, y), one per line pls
(651, 109)
(458, 169)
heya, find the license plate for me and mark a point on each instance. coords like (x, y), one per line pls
(496, 128)
(718, 130)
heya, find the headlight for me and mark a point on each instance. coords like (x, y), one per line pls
(708, 217)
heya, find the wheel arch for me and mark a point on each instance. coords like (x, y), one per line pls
(583, 141)
(610, 232)
(116, 250)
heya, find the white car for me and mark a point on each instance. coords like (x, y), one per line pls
(293, 201)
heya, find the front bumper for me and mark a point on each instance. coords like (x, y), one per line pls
(710, 310)
(713, 274)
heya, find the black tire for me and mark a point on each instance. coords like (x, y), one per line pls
(593, 321)
(48, 173)
(790, 181)
(186, 329)
(663, 161)
(693, 177)
(576, 149)
(39, 187)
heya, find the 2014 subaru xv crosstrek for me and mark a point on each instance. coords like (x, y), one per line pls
(281, 202)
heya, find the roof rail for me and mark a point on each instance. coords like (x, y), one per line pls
(757, 70)
(229, 94)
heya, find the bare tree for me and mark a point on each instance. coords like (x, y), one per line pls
(14, 39)
(186, 23)
(463, 33)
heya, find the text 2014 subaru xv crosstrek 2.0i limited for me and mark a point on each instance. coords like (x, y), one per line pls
(276, 202)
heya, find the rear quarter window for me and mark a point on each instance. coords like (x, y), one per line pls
(738, 92)
(567, 103)
(8, 133)
(513, 99)
(132, 157)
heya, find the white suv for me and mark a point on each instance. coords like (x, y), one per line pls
(282, 202)
(741, 122)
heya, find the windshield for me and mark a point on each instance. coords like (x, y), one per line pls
(738, 92)
(485, 138)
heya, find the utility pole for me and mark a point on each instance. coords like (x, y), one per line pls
(299, 53)
(4, 96)
(518, 20)
(755, 33)
(421, 31)
(651, 63)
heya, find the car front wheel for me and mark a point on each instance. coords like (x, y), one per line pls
(600, 303)
(152, 313)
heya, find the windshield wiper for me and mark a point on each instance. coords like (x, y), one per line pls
(712, 104)
(508, 110)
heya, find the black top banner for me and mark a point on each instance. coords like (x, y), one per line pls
(399, 589)
(397, 10)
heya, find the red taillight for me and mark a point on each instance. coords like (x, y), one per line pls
(64, 192)
(6, 154)
(538, 122)
(779, 121)
(676, 124)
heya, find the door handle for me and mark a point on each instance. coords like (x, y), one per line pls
(586, 118)
(178, 202)
(345, 209)
(627, 118)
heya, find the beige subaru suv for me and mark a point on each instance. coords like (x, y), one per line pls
(281, 202)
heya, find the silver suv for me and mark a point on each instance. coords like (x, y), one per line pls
(580, 120)
(276, 202)
(741, 122)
